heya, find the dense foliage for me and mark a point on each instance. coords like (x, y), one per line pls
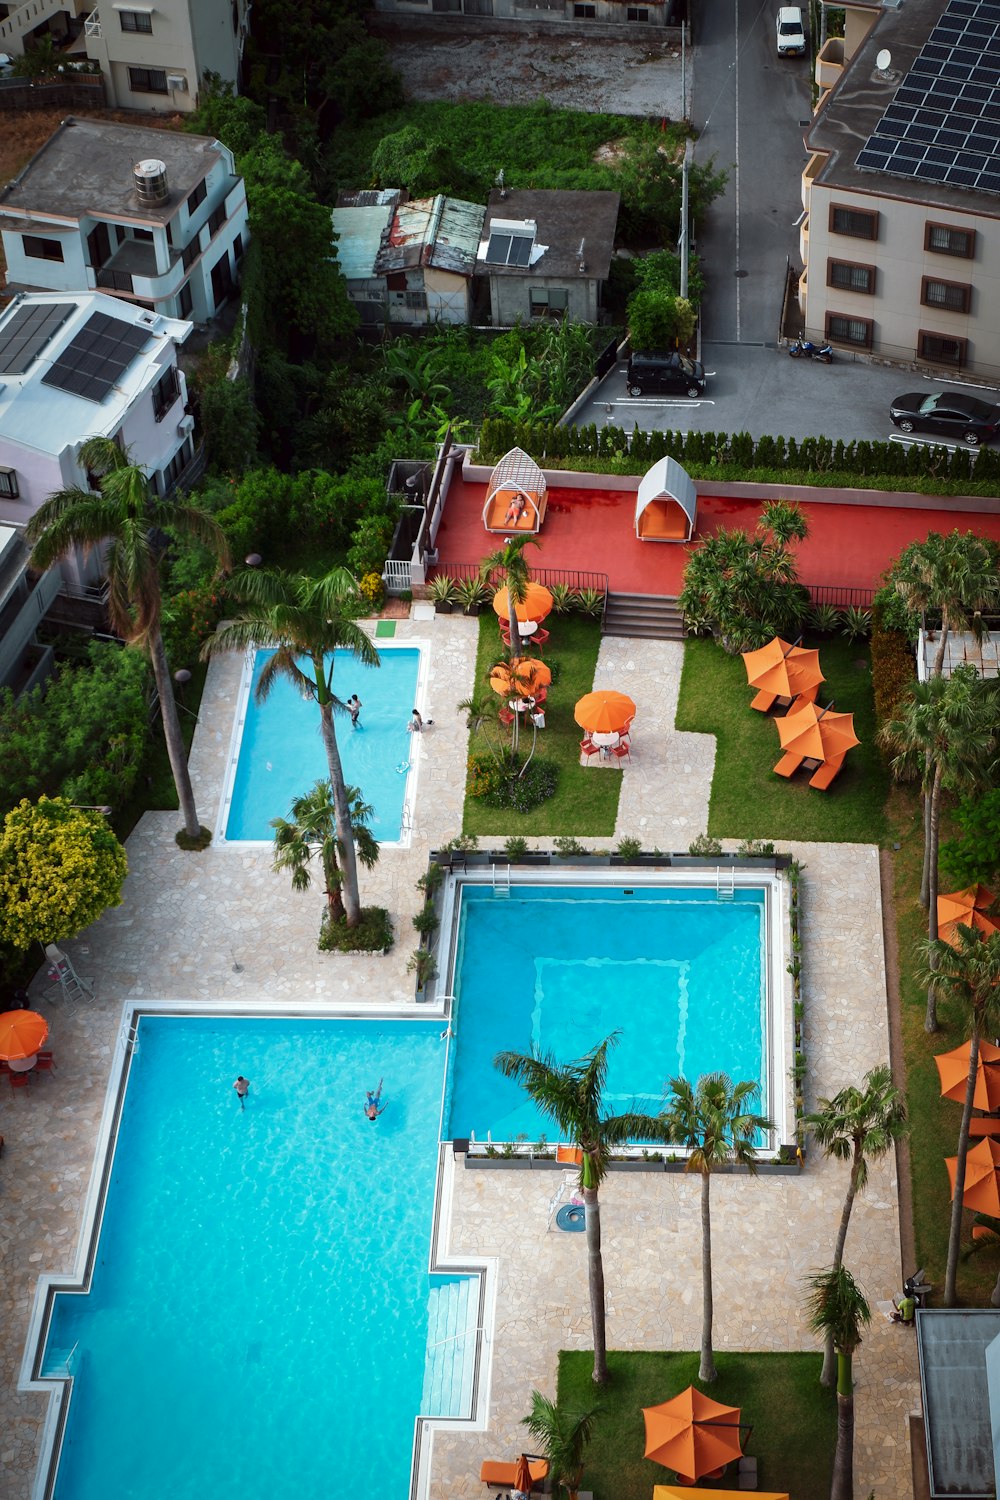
(975, 856)
(893, 669)
(501, 782)
(743, 587)
(658, 320)
(60, 868)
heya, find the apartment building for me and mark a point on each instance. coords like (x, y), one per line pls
(580, 15)
(153, 57)
(900, 240)
(157, 218)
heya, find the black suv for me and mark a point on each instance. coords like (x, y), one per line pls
(655, 374)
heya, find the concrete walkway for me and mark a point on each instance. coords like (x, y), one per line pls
(221, 926)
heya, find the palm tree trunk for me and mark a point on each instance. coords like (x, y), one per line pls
(942, 642)
(345, 833)
(955, 1232)
(829, 1372)
(172, 734)
(334, 898)
(595, 1276)
(931, 1020)
(842, 1487)
(925, 873)
(706, 1370)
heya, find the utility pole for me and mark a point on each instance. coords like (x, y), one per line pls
(682, 243)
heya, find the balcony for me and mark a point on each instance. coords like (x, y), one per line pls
(829, 62)
(812, 169)
(24, 599)
(92, 25)
(132, 269)
(804, 241)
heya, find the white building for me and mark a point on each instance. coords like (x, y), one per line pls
(156, 217)
(153, 57)
(75, 367)
(24, 598)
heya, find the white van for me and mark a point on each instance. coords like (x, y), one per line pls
(790, 32)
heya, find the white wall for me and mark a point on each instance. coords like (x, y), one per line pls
(46, 275)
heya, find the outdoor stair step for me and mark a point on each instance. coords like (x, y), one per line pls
(646, 616)
(451, 1347)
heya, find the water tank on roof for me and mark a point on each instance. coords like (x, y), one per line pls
(150, 178)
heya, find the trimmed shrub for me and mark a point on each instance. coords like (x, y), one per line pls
(373, 933)
(893, 669)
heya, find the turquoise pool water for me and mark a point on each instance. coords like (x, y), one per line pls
(677, 971)
(257, 1324)
(281, 751)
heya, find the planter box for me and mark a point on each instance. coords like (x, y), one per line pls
(637, 1166)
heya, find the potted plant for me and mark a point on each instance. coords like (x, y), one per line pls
(562, 598)
(426, 920)
(472, 594)
(443, 593)
(423, 964)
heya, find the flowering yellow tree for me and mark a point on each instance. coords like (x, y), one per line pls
(60, 868)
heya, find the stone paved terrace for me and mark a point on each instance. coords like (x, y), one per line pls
(221, 926)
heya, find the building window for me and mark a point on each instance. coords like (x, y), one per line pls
(147, 80)
(548, 299)
(416, 300)
(585, 12)
(859, 223)
(216, 220)
(636, 13)
(165, 393)
(136, 20)
(942, 349)
(186, 300)
(198, 196)
(191, 252)
(39, 249)
(943, 239)
(954, 296)
(8, 484)
(237, 248)
(848, 276)
(847, 330)
(143, 234)
(174, 469)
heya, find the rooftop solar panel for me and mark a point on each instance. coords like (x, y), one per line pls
(94, 361)
(26, 333)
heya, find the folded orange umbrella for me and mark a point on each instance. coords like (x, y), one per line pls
(604, 712)
(965, 909)
(953, 1068)
(818, 733)
(535, 605)
(982, 1190)
(692, 1434)
(22, 1032)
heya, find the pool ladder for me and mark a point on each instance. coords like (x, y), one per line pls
(501, 880)
(723, 891)
(128, 1037)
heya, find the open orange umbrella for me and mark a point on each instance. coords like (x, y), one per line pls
(22, 1032)
(535, 605)
(520, 677)
(782, 669)
(965, 909)
(692, 1434)
(604, 712)
(954, 1070)
(817, 733)
(982, 1190)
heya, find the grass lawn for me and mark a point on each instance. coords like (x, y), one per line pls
(585, 801)
(748, 800)
(794, 1418)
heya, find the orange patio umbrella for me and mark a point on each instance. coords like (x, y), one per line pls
(685, 1492)
(604, 712)
(521, 676)
(22, 1032)
(965, 909)
(982, 1190)
(953, 1068)
(817, 733)
(536, 604)
(692, 1434)
(783, 669)
(522, 1476)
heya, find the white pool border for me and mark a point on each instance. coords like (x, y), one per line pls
(422, 646)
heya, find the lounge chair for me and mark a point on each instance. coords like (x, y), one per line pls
(497, 1474)
(827, 772)
(763, 702)
(801, 699)
(571, 1155)
(788, 764)
(985, 1125)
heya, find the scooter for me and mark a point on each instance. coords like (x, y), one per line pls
(804, 349)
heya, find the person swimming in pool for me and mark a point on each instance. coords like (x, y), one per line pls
(373, 1105)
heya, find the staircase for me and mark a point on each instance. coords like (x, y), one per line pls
(649, 617)
(24, 19)
(452, 1317)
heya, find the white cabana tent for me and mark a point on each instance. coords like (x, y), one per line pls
(666, 506)
(516, 483)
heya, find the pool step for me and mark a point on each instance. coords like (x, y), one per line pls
(452, 1311)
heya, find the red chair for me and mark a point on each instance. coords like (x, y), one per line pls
(588, 748)
(540, 637)
(45, 1063)
(506, 717)
(620, 752)
(19, 1080)
(540, 694)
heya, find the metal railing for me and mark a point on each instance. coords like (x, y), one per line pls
(839, 595)
(571, 577)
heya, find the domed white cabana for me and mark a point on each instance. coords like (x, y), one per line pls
(515, 495)
(666, 506)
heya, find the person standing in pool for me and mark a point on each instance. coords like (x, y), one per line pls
(354, 706)
(242, 1087)
(373, 1104)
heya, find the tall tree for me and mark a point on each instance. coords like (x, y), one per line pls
(745, 587)
(305, 620)
(837, 1305)
(969, 975)
(946, 733)
(563, 1437)
(858, 1125)
(573, 1095)
(312, 829)
(129, 520)
(60, 868)
(716, 1123)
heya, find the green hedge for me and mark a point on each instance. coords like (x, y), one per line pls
(892, 669)
(736, 456)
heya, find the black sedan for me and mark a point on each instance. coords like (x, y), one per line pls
(951, 415)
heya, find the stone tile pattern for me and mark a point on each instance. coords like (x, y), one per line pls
(222, 926)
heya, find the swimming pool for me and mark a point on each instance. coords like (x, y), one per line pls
(257, 1322)
(280, 748)
(681, 973)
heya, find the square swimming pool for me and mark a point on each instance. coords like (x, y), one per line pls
(679, 970)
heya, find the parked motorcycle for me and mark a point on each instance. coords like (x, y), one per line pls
(802, 348)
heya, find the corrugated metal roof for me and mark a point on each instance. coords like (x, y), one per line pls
(440, 232)
(368, 197)
(359, 234)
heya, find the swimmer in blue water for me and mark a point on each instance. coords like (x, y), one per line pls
(373, 1105)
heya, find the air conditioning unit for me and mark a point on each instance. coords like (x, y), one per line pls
(177, 81)
(185, 427)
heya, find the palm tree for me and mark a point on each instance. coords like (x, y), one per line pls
(512, 563)
(947, 733)
(969, 974)
(313, 829)
(563, 1437)
(305, 620)
(716, 1124)
(859, 1125)
(838, 1305)
(128, 519)
(573, 1094)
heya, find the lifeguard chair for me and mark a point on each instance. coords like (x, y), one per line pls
(516, 482)
(666, 506)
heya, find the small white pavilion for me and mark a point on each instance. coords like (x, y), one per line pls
(515, 495)
(666, 506)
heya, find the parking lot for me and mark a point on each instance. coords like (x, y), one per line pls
(764, 392)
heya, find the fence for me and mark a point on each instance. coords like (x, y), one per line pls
(548, 576)
(85, 92)
(840, 597)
